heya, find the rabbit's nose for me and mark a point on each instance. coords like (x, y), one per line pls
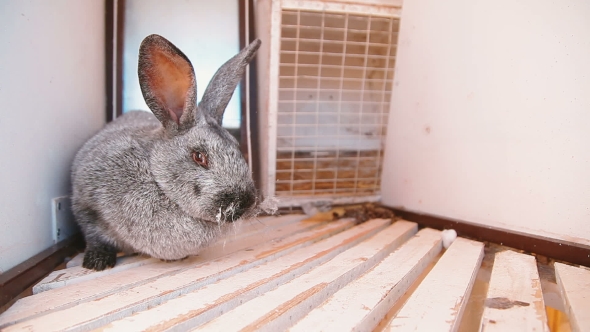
(246, 201)
(234, 203)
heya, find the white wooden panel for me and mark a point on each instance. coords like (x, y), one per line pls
(269, 31)
(238, 238)
(497, 166)
(363, 303)
(574, 285)
(515, 298)
(263, 32)
(438, 303)
(181, 276)
(209, 302)
(280, 308)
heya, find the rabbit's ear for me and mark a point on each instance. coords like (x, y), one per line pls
(224, 82)
(167, 81)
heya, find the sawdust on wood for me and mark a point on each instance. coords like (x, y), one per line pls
(367, 211)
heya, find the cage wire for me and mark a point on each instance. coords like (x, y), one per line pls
(335, 81)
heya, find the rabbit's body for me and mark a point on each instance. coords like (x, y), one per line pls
(109, 209)
(163, 184)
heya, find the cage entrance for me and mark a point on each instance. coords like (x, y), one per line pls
(335, 79)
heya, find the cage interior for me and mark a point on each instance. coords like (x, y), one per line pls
(336, 74)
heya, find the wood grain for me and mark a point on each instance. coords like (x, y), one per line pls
(280, 308)
(574, 285)
(362, 304)
(515, 298)
(272, 246)
(209, 302)
(439, 301)
(239, 236)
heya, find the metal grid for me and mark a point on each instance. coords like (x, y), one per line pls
(335, 79)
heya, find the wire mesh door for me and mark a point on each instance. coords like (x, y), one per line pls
(335, 80)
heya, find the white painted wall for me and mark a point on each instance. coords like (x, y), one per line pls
(206, 31)
(490, 116)
(51, 100)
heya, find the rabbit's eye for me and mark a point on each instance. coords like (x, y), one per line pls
(200, 159)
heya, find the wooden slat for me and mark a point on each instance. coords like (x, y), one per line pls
(438, 303)
(15, 282)
(76, 261)
(258, 225)
(237, 239)
(92, 310)
(211, 301)
(574, 285)
(363, 303)
(280, 308)
(515, 300)
(76, 274)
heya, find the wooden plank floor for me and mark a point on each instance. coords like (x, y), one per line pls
(438, 303)
(574, 284)
(290, 273)
(515, 297)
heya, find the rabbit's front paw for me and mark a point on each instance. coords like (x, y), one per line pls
(99, 259)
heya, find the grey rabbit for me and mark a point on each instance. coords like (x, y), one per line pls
(168, 183)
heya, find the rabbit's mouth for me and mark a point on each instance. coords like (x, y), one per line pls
(232, 212)
(233, 205)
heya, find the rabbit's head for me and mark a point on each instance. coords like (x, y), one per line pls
(196, 162)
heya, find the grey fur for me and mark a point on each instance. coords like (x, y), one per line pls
(136, 187)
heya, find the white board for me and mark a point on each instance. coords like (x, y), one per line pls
(574, 285)
(438, 303)
(515, 298)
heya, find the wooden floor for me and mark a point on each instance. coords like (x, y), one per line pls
(287, 273)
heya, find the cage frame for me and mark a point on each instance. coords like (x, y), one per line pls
(269, 31)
